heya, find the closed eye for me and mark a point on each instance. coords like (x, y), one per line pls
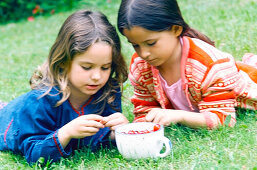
(86, 68)
(105, 68)
(151, 44)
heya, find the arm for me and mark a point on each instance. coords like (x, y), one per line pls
(218, 91)
(38, 138)
(144, 97)
(95, 125)
(217, 100)
(43, 134)
(191, 119)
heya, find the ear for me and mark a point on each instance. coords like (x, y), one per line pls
(177, 29)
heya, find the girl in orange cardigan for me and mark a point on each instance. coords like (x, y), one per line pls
(177, 73)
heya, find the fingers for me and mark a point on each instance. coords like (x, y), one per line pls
(150, 117)
(98, 121)
(164, 117)
(81, 127)
(115, 120)
(86, 131)
(91, 120)
(93, 123)
(157, 115)
(93, 117)
(90, 130)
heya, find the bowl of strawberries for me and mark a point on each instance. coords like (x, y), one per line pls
(142, 140)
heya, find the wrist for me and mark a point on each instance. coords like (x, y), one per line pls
(181, 116)
(63, 136)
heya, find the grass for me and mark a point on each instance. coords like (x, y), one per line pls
(232, 24)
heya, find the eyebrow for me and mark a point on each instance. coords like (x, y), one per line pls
(85, 62)
(153, 39)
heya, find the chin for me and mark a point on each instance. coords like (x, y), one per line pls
(91, 92)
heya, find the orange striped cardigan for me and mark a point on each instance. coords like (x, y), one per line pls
(211, 79)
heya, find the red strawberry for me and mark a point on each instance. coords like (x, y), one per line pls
(156, 127)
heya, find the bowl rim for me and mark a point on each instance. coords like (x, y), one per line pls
(129, 124)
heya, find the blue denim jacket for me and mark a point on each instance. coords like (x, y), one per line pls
(29, 124)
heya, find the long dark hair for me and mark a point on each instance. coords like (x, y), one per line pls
(79, 31)
(155, 15)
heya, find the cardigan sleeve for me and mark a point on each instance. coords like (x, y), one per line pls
(141, 79)
(217, 88)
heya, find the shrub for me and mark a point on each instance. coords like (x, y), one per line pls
(14, 10)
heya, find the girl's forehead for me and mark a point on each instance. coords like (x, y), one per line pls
(138, 30)
(99, 52)
(139, 34)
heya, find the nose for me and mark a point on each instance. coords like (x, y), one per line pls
(144, 53)
(96, 75)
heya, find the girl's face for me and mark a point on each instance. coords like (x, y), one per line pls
(90, 70)
(157, 48)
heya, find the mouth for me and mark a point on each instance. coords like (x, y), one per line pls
(151, 60)
(92, 87)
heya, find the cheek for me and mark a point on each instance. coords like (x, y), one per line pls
(76, 74)
(72, 77)
(138, 52)
(163, 48)
(69, 75)
(106, 75)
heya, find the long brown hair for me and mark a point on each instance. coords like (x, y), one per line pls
(79, 31)
(155, 15)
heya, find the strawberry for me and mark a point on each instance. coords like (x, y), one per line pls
(156, 127)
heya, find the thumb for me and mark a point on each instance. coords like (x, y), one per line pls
(105, 120)
(150, 116)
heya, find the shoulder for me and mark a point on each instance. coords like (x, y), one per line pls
(206, 54)
(205, 62)
(45, 97)
(35, 98)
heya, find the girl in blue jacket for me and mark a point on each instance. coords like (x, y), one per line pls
(75, 99)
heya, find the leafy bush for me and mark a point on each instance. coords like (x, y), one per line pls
(13, 10)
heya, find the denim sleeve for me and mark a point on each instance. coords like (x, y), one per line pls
(38, 123)
(46, 146)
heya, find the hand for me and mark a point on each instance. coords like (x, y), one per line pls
(86, 125)
(115, 120)
(164, 116)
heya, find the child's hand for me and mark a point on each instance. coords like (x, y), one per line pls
(86, 125)
(115, 120)
(164, 116)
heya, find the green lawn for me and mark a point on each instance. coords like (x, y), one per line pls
(232, 24)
